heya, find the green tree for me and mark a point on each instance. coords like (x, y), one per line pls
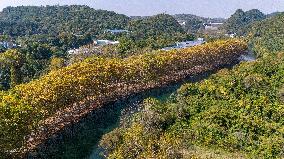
(11, 60)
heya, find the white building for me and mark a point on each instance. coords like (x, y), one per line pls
(116, 31)
(231, 35)
(182, 23)
(212, 26)
(105, 42)
(185, 44)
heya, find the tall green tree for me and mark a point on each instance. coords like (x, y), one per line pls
(10, 63)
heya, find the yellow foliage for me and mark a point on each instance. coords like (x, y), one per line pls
(99, 77)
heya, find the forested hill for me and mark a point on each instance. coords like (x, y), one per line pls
(155, 26)
(241, 20)
(267, 35)
(75, 19)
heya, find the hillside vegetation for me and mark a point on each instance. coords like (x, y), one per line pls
(236, 113)
(24, 108)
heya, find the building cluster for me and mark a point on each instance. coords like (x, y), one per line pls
(98, 43)
(8, 45)
(185, 44)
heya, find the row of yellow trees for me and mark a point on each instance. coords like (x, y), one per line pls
(26, 105)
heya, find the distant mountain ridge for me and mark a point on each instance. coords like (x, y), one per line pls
(78, 20)
(155, 25)
(81, 19)
(74, 19)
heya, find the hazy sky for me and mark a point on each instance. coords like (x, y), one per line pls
(206, 8)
